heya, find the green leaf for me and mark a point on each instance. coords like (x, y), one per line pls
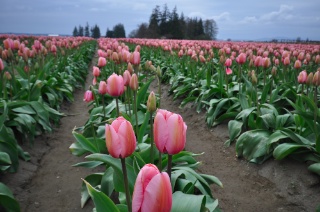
(85, 143)
(7, 200)
(142, 92)
(101, 201)
(234, 128)
(315, 168)
(143, 127)
(187, 202)
(212, 179)
(5, 159)
(285, 149)
(88, 164)
(94, 180)
(4, 114)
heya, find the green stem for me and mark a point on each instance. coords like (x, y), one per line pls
(151, 138)
(159, 90)
(257, 101)
(103, 107)
(94, 137)
(117, 103)
(135, 110)
(125, 180)
(315, 114)
(2, 83)
(169, 165)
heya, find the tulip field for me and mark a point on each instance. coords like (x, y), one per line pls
(266, 93)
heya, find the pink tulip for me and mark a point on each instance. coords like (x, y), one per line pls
(228, 62)
(169, 132)
(228, 71)
(241, 59)
(297, 64)
(135, 58)
(134, 82)
(115, 86)
(102, 87)
(102, 61)
(88, 96)
(96, 71)
(126, 77)
(120, 138)
(1, 65)
(302, 78)
(286, 61)
(152, 190)
(94, 81)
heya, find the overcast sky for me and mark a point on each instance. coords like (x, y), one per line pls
(246, 19)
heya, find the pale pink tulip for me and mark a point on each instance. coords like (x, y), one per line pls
(241, 59)
(88, 96)
(126, 77)
(135, 58)
(1, 65)
(120, 138)
(297, 64)
(302, 78)
(115, 86)
(228, 62)
(102, 87)
(96, 71)
(102, 61)
(134, 82)
(152, 191)
(169, 132)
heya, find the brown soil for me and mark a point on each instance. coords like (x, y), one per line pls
(50, 183)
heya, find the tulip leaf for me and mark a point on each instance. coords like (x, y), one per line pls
(7, 200)
(285, 149)
(88, 164)
(85, 143)
(107, 185)
(4, 114)
(187, 202)
(212, 179)
(315, 168)
(234, 128)
(94, 180)
(5, 159)
(142, 93)
(143, 127)
(101, 201)
(77, 149)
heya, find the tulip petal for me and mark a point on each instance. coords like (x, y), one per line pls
(112, 141)
(177, 134)
(158, 194)
(161, 132)
(145, 175)
(127, 139)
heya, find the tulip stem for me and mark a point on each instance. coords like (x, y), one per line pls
(151, 138)
(135, 110)
(103, 108)
(117, 103)
(169, 165)
(125, 179)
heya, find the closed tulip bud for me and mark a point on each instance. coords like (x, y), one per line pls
(297, 64)
(159, 72)
(102, 87)
(202, 59)
(317, 60)
(94, 81)
(53, 49)
(88, 96)
(309, 79)
(254, 79)
(274, 71)
(102, 61)
(135, 58)
(266, 62)
(115, 57)
(151, 103)
(302, 78)
(241, 59)
(169, 132)
(286, 61)
(1, 65)
(153, 69)
(10, 54)
(120, 138)
(7, 75)
(134, 82)
(126, 77)
(130, 68)
(96, 71)
(316, 80)
(152, 190)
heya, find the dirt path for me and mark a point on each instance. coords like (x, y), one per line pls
(50, 183)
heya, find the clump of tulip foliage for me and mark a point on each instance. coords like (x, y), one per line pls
(139, 146)
(37, 73)
(268, 93)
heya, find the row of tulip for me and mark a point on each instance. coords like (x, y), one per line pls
(36, 75)
(120, 136)
(268, 92)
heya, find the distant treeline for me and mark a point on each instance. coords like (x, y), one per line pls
(162, 24)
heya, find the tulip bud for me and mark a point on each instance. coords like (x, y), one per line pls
(316, 80)
(130, 68)
(102, 87)
(1, 65)
(309, 79)
(254, 79)
(96, 71)
(151, 103)
(274, 71)
(159, 72)
(7, 75)
(10, 53)
(88, 96)
(134, 82)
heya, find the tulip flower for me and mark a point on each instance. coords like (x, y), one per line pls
(241, 59)
(126, 77)
(88, 96)
(121, 143)
(302, 78)
(228, 71)
(115, 86)
(1, 65)
(228, 62)
(96, 71)
(120, 138)
(152, 190)
(102, 61)
(135, 58)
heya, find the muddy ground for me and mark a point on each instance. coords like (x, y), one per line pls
(49, 182)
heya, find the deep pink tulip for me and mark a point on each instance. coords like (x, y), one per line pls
(302, 78)
(169, 132)
(88, 96)
(102, 87)
(241, 59)
(228, 71)
(228, 62)
(120, 138)
(115, 86)
(96, 71)
(152, 190)
(102, 62)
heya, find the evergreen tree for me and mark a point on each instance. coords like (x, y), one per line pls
(210, 29)
(95, 32)
(86, 30)
(164, 21)
(80, 32)
(174, 25)
(75, 32)
(118, 31)
(154, 21)
(109, 33)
